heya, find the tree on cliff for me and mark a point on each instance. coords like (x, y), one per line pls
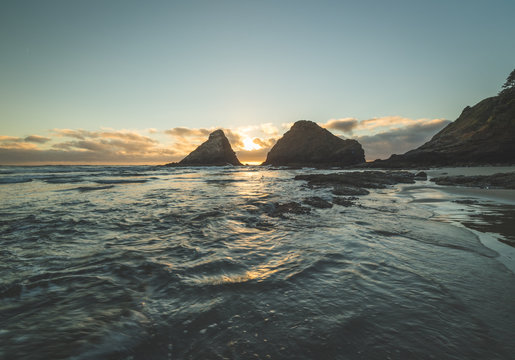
(510, 82)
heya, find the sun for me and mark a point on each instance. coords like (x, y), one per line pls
(249, 144)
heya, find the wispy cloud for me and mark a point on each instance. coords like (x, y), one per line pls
(12, 142)
(383, 136)
(83, 146)
(400, 139)
(380, 138)
(183, 132)
(346, 125)
(256, 156)
(37, 139)
(187, 139)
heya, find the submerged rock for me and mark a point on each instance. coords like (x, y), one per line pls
(317, 202)
(216, 151)
(421, 175)
(307, 144)
(349, 190)
(344, 201)
(359, 179)
(291, 207)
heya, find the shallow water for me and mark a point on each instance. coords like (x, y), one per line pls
(157, 263)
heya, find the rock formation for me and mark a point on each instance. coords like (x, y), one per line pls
(483, 134)
(495, 181)
(307, 144)
(216, 151)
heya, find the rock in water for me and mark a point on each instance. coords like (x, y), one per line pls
(216, 151)
(307, 144)
(483, 134)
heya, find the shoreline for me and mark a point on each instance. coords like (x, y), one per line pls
(469, 213)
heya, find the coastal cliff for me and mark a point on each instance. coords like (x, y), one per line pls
(483, 134)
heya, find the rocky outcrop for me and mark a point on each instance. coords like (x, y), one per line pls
(483, 134)
(359, 179)
(279, 210)
(307, 144)
(317, 202)
(357, 182)
(495, 181)
(216, 151)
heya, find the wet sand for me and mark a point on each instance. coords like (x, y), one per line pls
(488, 213)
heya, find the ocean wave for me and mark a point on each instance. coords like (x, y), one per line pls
(14, 180)
(184, 268)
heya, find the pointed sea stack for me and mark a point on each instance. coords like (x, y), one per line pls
(307, 144)
(482, 135)
(216, 151)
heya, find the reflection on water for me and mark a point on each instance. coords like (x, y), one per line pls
(156, 263)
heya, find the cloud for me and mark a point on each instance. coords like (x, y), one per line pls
(99, 147)
(380, 138)
(265, 143)
(235, 138)
(187, 139)
(387, 121)
(4, 138)
(13, 142)
(56, 156)
(184, 132)
(37, 139)
(345, 125)
(401, 139)
(78, 134)
(269, 129)
(256, 156)
(252, 156)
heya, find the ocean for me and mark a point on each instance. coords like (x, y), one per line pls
(143, 262)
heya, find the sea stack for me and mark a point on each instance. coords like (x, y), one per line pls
(216, 151)
(482, 135)
(308, 144)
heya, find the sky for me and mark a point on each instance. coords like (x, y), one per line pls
(124, 81)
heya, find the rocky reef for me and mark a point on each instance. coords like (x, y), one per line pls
(495, 181)
(482, 135)
(307, 144)
(357, 181)
(216, 151)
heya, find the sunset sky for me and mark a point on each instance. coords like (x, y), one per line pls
(145, 82)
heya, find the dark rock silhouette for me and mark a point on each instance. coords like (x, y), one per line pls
(421, 175)
(349, 201)
(340, 189)
(279, 210)
(216, 151)
(495, 181)
(482, 134)
(357, 182)
(307, 144)
(317, 202)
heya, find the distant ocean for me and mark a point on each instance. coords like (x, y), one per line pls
(141, 262)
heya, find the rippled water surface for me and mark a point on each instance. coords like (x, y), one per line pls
(157, 263)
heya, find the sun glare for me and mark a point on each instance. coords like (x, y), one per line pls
(249, 144)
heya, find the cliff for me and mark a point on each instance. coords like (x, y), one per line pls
(483, 134)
